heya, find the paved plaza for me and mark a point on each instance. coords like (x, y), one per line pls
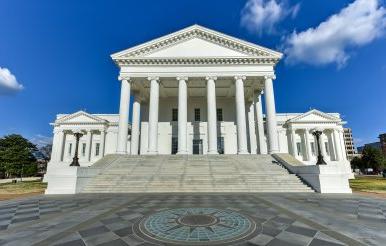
(194, 219)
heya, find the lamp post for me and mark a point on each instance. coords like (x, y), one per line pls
(320, 161)
(75, 160)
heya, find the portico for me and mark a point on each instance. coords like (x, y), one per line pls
(198, 64)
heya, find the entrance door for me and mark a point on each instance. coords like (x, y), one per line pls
(197, 146)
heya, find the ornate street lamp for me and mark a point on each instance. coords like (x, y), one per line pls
(317, 134)
(75, 160)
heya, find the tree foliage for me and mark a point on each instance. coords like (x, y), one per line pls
(371, 158)
(16, 156)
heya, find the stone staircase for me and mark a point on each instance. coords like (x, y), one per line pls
(193, 173)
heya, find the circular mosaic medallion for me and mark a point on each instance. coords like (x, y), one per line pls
(196, 226)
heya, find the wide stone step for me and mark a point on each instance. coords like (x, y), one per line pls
(225, 173)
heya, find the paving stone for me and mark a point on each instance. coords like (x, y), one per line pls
(93, 231)
(294, 238)
(271, 231)
(24, 219)
(117, 242)
(319, 242)
(260, 240)
(303, 231)
(100, 238)
(124, 231)
(278, 242)
(77, 242)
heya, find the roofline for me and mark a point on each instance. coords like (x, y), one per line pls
(192, 27)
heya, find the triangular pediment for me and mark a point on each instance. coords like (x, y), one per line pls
(196, 47)
(80, 117)
(314, 116)
(196, 41)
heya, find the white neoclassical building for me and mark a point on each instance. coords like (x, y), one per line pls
(197, 92)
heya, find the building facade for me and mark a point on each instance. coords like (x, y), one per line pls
(349, 143)
(294, 134)
(198, 92)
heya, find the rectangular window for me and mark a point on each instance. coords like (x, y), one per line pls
(299, 148)
(219, 114)
(97, 146)
(174, 145)
(313, 148)
(69, 149)
(197, 146)
(220, 145)
(327, 149)
(197, 114)
(83, 149)
(174, 114)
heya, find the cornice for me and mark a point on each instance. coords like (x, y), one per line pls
(183, 61)
(203, 33)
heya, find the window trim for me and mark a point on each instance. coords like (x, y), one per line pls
(174, 113)
(199, 114)
(97, 149)
(221, 118)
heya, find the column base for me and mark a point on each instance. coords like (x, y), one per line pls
(243, 153)
(182, 152)
(213, 152)
(121, 152)
(273, 152)
(152, 152)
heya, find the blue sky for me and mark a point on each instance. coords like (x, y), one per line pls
(54, 55)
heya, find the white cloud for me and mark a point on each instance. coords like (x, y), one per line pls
(8, 82)
(41, 140)
(356, 25)
(262, 15)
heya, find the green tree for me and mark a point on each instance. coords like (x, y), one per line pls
(357, 162)
(373, 158)
(16, 156)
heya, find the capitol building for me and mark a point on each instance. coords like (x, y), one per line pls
(198, 125)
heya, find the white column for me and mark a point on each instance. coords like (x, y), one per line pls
(252, 129)
(103, 140)
(182, 115)
(153, 116)
(323, 146)
(260, 126)
(123, 117)
(57, 146)
(338, 150)
(88, 145)
(273, 144)
(212, 118)
(136, 121)
(240, 112)
(62, 146)
(293, 143)
(308, 145)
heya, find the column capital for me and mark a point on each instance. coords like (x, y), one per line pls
(210, 78)
(58, 130)
(150, 78)
(270, 76)
(185, 78)
(291, 128)
(138, 97)
(124, 78)
(242, 77)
